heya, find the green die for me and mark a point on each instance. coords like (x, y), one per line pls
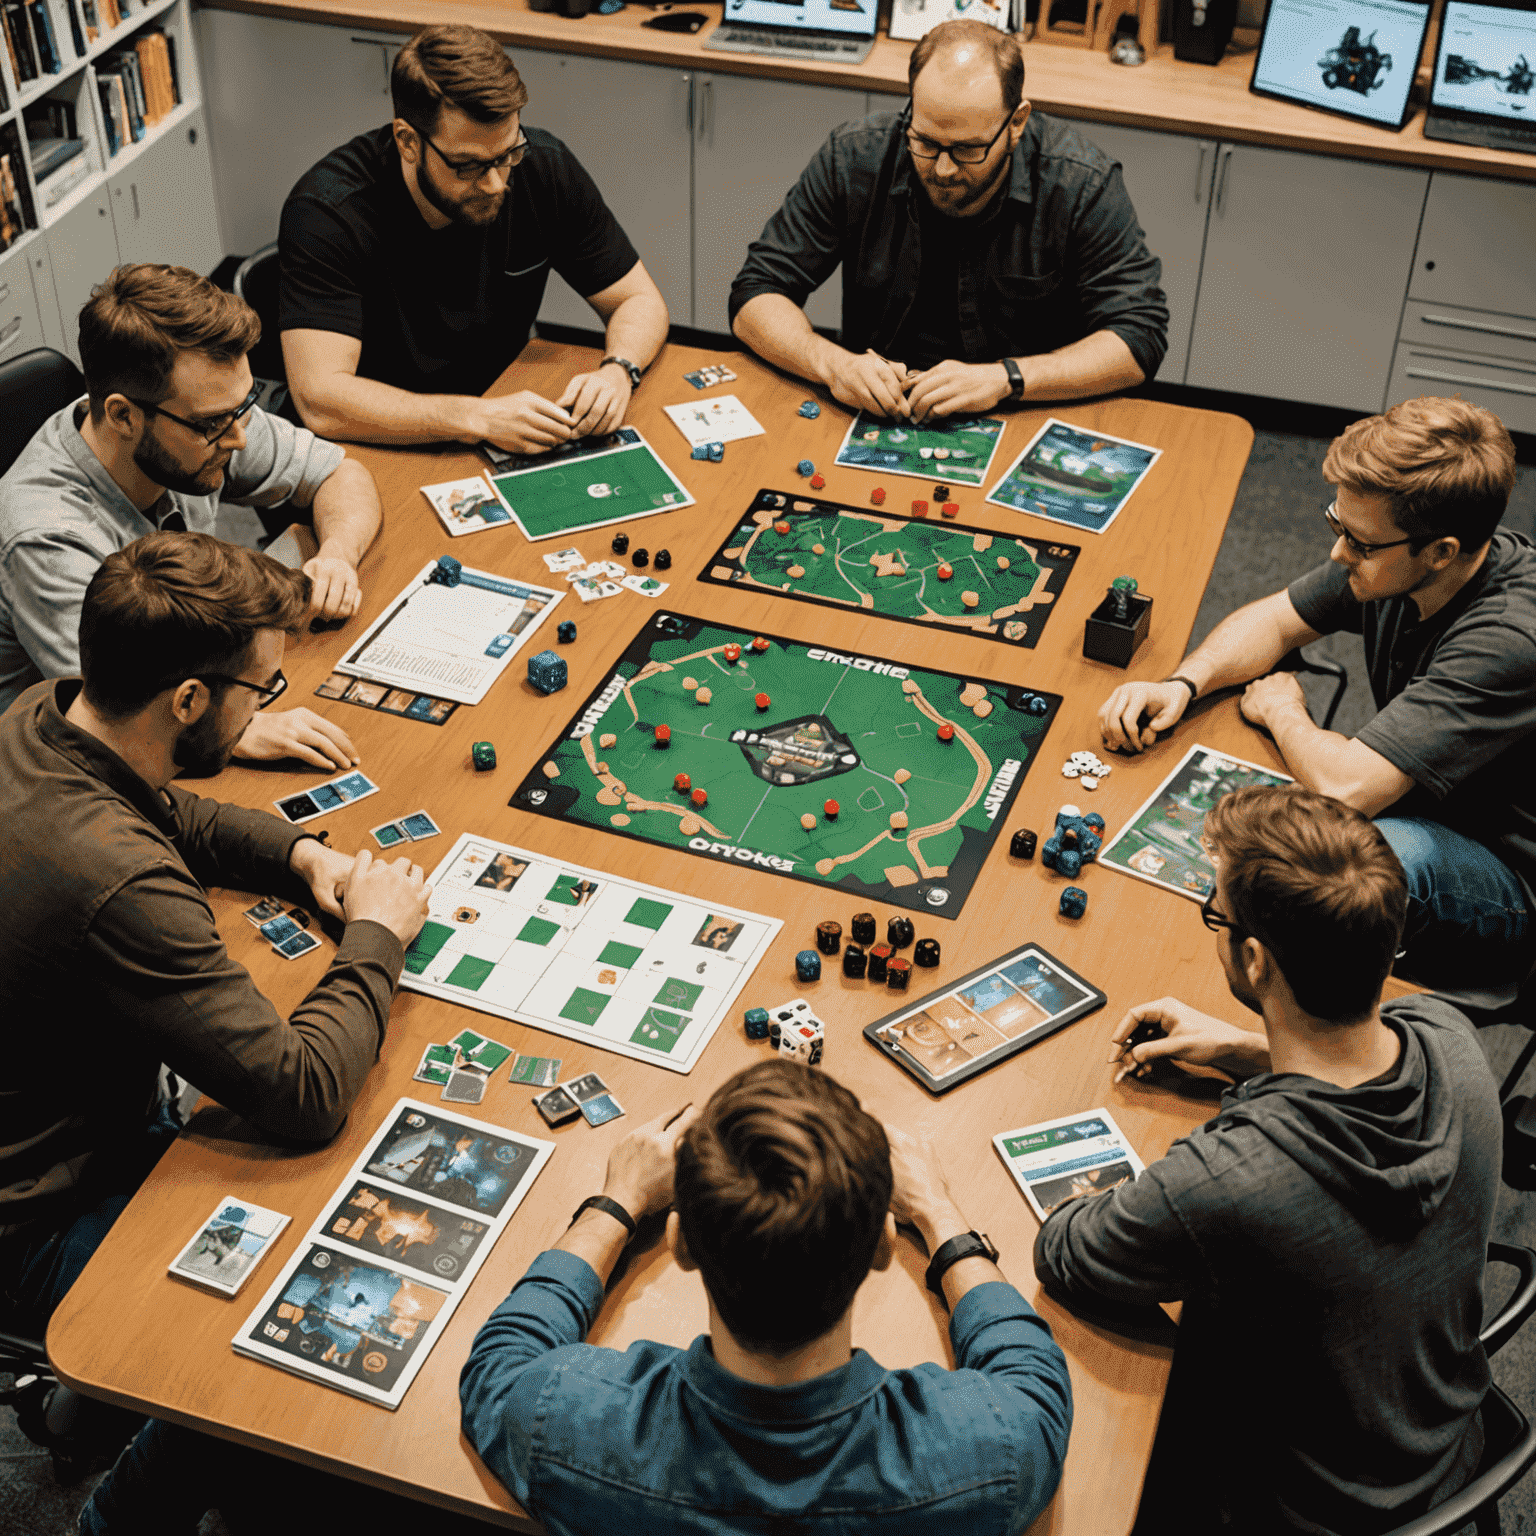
(483, 754)
(757, 1023)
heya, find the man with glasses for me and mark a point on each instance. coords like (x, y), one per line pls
(414, 261)
(989, 253)
(1446, 605)
(1327, 1231)
(168, 430)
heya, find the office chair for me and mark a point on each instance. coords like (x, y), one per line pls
(33, 385)
(255, 281)
(1509, 1440)
(45, 1409)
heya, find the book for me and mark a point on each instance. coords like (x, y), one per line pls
(92, 20)
(12, 227)
(64, 181)
(49, 154)
(109, 121)
(49, 60)
(20, 190)
(76, 27)
(18, 38)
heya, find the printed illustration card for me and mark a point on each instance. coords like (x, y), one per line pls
(1059, 1160)
(320, 801)
(1069, 475)
(467, 506)
(230, 1245)
(952, 451)
(722, 419)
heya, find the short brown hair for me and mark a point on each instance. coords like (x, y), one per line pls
(781, 1190)
(1001, 47)
(455, 66)
(170, 606)
(1318, 886)
(1447, 466)
(135, 325)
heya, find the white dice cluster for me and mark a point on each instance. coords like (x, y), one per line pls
(1086, 768)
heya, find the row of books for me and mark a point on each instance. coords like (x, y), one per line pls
(33, 45)
(16, 213)
(138, 86)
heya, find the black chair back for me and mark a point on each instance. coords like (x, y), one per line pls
(33, 386)
(255, 281)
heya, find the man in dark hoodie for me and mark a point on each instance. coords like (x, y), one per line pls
(1327, 1231)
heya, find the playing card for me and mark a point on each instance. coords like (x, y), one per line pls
(465, 1086)
(436, 1064)
(281, 927)
(264, 910)
(480, 1052)
(556, 1106)
(300, 944)
(330, 796)
(354, 786)
(419, 825)
(467, 506)
(586, 1087)
(230, 1244)
(565, 559)
(466, 1043)
(608, 589)
(602, 1109)
(390, 834)
(540, 1071)
(646, 586)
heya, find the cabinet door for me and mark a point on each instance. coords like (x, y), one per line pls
(21, 327)
(752, 139)
(1305, 272)
(83, 249)
(163, 204)
(1169, 179)
(1473, 229)
(628, 125)
(279, 95)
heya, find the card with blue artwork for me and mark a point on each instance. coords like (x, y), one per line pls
(229, 1245)
(1070, 475)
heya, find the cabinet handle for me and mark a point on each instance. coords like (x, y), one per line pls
(133, 192)
(1478, 325)
(1221, 177)
(1476, 383)
(11, 332)
(707, 109)
(1203, 145)
(688, 104)
(5, 292)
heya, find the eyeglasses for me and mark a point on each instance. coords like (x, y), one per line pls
(962, 154)
(1364, 550)
(1213, 919)
(265, 692)
(473, 170)
(211, 428)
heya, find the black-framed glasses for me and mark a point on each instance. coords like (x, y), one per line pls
(211, 428)
(1359, 546)
(265, 692)
(923, 148)
(1213, 919)
(473, 170)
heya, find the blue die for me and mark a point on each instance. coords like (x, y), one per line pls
(546, 671)
(808, 965)
(700, 451)
(565, 631)
(1074, 901)
(810, 409)
(448, 572)
(757, 1023)
(805, 468)
(716, 452)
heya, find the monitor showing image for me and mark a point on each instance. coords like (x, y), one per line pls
(856, 17)
(1486, 62)
(1353, 57)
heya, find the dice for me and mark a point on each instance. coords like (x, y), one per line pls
(546, 671)
(620, 545)
(483, 756)
(1022, 844)
(863, 927)
(757, 1023)
(829, 937)
(1074, 901)
(447, 572)
(810, 410)
(855, 962)
(927, 953)
(565, 631)
(808, 965)
(898, 932)
(879, 961)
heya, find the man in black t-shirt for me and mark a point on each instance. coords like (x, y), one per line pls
(414, 260)
(1447, 609)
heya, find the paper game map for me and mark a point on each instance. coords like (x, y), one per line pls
(377, 1277)
(951, 451)
(886, 563)
(915, 814)
(1161, 842)
(1069, 475)
(624, 966)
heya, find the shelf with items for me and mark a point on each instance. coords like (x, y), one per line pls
(63, 143)
(139, 83)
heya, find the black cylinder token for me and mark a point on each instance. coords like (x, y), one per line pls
(863, 929)
(878, 957)
(620, 543)
(898, 973)
(898, 932)
(854, 962)
(927, 953)
(829, 937)
(1022, 845)
(640, 559)
(663, 559)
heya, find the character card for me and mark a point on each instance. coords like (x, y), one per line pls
(1068, 475)
(538, 1071)
(419, 825)
(721, 420)
(389, 835)
(385, 1225)
(565, 560)
(556, 1106)
(480, 1052)
(447, 1160)
(296, 944)
(646, 586)
(586, 1087)
(330, 796)
(436, 1065)
(264, 911)
(466, 1084)
(230, 1245)
(278, 928)
(1060, 1160)
(602, 1109)
(467, 506)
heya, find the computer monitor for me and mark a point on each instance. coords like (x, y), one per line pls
(855, 18)
(1355, 58)
(1486, 62)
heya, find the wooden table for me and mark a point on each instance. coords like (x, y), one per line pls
(1136, 942)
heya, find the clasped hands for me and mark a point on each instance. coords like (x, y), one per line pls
(867, 381)
(525, 422)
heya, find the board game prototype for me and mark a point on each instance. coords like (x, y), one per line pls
(584, 954)
(372, 1286)
(1161, 842)
(949, 1036)
(883, 782)
(955, 450)
(927, 571)
(1068, 475)
(1060, 1160)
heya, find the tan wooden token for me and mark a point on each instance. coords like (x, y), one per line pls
(619, 820)
(901, 775)
(807, 821)
(970, 599)
(898, 821)
(689, 825)
(982, 708)
(795, 572)
(703, 696)
(551, 770)
(908, 686)
(1003, 562)
(607, 739)
(690, 683)
(818, 549)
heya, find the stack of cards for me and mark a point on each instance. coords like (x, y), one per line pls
(409, 829)
(721, 420)
(600, 579)
(463, 1066)
(1061, 1160)
(390, 701)
(565, 560)
(708, 377)
(284, 931)
(588, 1097)
(330, 796)
(229, 1246)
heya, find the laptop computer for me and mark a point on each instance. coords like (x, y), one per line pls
(830, 31)
(1484, 90)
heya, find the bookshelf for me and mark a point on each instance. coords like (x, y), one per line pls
(104, 158)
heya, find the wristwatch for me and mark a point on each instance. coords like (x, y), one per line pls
(968, 1245)
(1015, 379)
(611, 1207)
(627, 366)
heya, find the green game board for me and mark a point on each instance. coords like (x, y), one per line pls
(883, 562)
(576, 491)
(954, 451)
(856, 729)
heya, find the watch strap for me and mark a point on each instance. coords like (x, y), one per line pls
(1015, 379)
(612, 1207)
(966, 1246)
(1178, 677)
(627, 366)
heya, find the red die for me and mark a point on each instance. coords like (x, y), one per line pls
(682, 783)
(762, 701)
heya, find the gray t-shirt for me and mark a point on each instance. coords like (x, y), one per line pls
(1456, 695)
(62, 514)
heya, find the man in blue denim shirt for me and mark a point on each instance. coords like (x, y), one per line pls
(786, 1195)
(988, 254)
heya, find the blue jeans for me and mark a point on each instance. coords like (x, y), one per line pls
(1468, 926)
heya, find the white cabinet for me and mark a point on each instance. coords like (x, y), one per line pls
(752, 139)
(1169, 180)
(163, 206)
(628, 125)
(1306, 264)
(83, 248)
(1475, 245)
(21, 325)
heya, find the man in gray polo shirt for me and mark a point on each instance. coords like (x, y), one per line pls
(1446, 605)
(167, 431)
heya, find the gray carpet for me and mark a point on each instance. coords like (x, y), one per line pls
(1276, 532)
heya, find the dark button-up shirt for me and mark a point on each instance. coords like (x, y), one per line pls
(110, 963)
(1057, 257)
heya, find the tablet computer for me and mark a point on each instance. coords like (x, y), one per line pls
(1354, 58)
(1484, 89)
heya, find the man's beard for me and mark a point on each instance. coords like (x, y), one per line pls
(157, 465)
(963, 200)
(201, 750)
(476, 213)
